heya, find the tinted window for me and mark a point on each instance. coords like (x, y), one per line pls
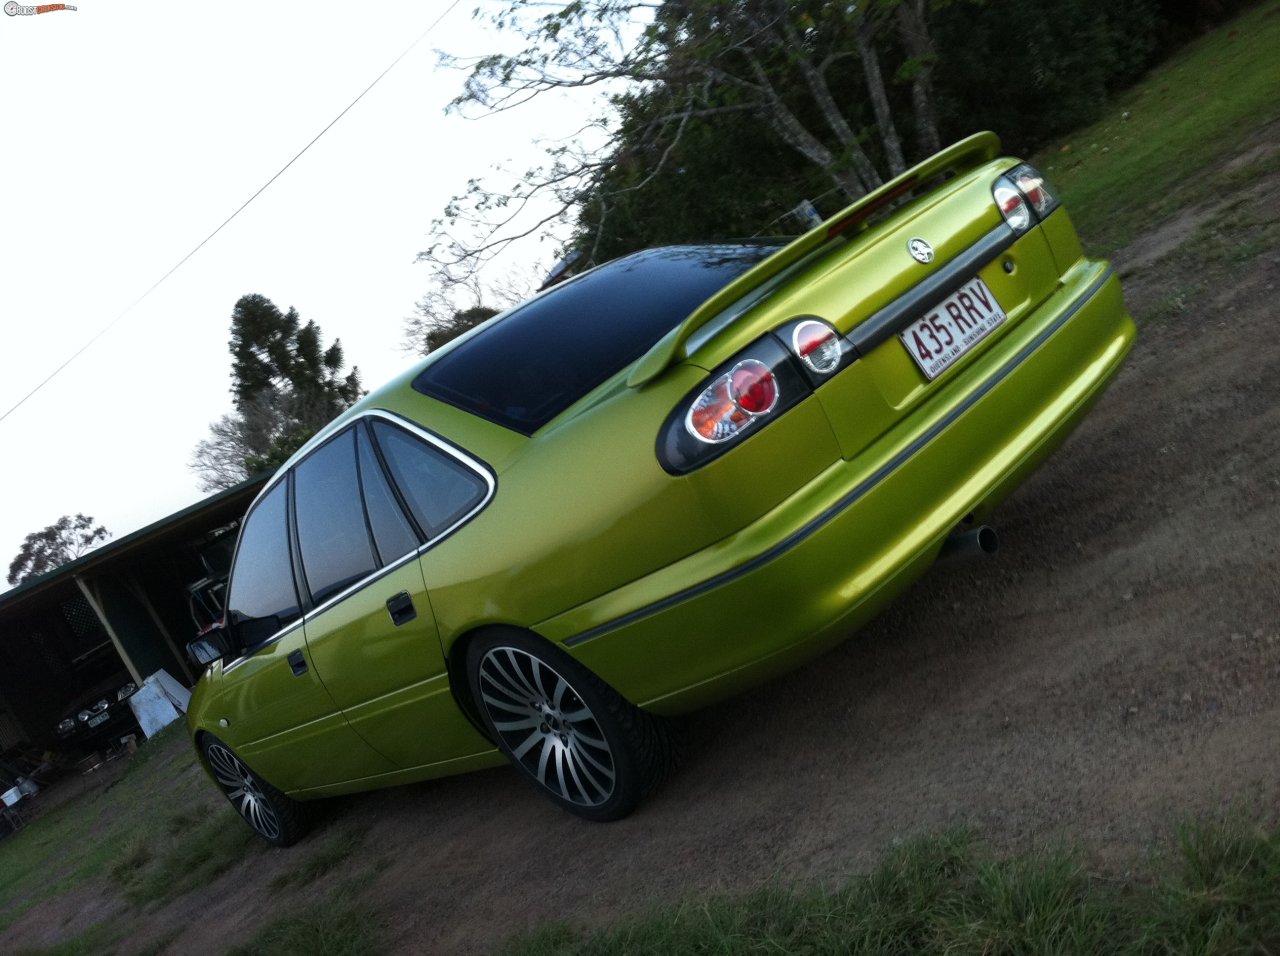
(392, 533)
(262, 596)
(332, 535)
(438, 489)
(538, 360)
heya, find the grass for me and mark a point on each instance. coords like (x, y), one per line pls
(94, 941)
(1225, 894)
(327, 929)
(327, 859)
(1217, 892)
(109, 831)
(188, 858)
(1235, 235)
(103, 831)
(1159, 147)
(158, 831)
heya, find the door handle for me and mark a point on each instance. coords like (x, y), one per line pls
(401, 609)
(297, 663)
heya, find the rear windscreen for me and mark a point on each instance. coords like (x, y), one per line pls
(531, 364)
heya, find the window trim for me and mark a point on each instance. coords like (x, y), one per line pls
(468, 463)
(471, 463)
(364, 437)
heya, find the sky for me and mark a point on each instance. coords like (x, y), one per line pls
(129, 130)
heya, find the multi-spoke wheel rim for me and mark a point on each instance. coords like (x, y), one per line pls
(547, 727)
(243, 790)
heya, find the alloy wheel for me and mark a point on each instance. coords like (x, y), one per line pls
(546, 726)
(243, 790)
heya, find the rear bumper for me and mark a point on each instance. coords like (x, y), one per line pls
(805, 575)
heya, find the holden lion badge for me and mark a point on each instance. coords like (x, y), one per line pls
(921, 251)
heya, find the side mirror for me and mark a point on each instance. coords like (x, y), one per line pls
(210, 646)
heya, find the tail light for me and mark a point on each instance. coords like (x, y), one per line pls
(1013, 206)
(1039, 193)
(752, 389)
(742, 396)
(732, 402)
(1024, 197)
(817, 345)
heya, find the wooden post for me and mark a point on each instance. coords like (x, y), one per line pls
(135, 586)
(98, 609)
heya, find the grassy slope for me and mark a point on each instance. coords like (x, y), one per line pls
(160, 831)
(1157, 149)
(1219, 894)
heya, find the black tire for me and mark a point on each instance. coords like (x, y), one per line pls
(276, 818)
(571, 734)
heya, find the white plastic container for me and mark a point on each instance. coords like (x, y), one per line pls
(11, 796)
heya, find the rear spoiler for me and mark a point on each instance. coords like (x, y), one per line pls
(966, 154)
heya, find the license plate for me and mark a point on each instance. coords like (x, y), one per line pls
(953, 327)
(98, 719)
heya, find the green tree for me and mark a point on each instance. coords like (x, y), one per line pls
(726, 113)
(426, 331)
(285, 386)
(61, 542)
(1069, 57)
(723, 178)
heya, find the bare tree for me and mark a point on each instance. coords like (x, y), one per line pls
(709, 56)
(449, 310)
(239, 440)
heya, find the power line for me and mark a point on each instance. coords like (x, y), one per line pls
(136, 302)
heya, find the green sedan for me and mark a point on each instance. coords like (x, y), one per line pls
(651, 486)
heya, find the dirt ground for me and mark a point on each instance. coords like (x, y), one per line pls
(1114, 670)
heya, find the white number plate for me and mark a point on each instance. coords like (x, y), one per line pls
(955, 325)
(98, 719)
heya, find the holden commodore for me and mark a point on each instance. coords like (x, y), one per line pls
(651, 486)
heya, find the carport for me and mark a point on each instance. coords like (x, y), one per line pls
(122, 608)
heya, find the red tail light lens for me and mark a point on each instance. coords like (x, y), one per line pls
(753, 387)
(1024, 197)
(818, 346)
(1036, 188)
(737, 399)
(1012, 205)
(730, 403)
